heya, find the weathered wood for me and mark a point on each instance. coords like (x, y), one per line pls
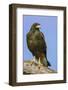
(34, 68)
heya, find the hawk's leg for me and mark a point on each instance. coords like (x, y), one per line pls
(33, 61)
(39, 63)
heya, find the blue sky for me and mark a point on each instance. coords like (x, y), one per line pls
(49, 28)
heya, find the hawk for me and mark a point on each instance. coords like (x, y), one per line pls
(37, 45)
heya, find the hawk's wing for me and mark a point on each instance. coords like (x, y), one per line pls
(45, 51)
(42, 35)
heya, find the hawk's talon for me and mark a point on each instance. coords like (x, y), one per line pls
(33, 61)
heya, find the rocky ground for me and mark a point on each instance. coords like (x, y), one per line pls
(34, 68)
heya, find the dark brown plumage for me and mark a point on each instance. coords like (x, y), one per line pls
(37, 45)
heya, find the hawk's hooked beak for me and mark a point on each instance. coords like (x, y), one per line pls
(38, 26)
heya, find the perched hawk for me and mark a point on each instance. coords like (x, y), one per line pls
(37, 45)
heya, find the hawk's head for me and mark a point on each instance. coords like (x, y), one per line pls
(35, 26)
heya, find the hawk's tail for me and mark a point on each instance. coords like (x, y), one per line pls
(46, 62)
